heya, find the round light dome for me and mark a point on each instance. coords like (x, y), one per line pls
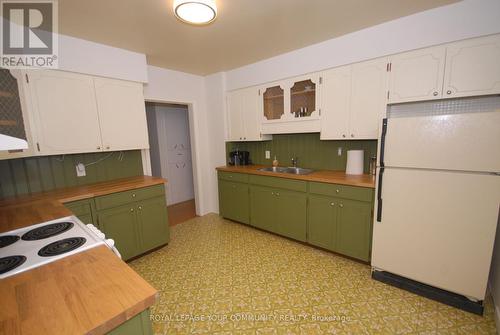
(195, 11)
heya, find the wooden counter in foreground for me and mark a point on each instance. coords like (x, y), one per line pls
(323, 176)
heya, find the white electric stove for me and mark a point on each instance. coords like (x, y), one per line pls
(26, 248)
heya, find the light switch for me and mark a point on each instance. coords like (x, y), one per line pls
(268, 154)
(80, 170)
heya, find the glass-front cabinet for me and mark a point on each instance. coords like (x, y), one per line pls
(274, 102)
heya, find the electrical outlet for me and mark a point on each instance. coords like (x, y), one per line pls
(268, 154)
(80, 170)
(339, 151)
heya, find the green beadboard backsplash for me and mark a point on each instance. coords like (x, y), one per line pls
(35, 174)
(308, 148)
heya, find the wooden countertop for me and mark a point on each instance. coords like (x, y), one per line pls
(90, 292)
(19, 212)
(323, 176)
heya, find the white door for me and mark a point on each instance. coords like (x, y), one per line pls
(335, 103)
(65, 112)
(473, 67)
(236, 131)
(368, 98)
(250, 114)
(122, 114)
(417, 75)
(438, 228)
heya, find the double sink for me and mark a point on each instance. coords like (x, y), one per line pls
(290, 170)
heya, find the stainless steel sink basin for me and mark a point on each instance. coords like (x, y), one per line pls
(291, 170)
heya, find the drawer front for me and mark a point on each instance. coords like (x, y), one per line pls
(342, 191)
(232, 176)
(120, 198)
(80, 207)
(277, 182)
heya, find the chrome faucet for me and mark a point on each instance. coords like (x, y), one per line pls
(294, 162)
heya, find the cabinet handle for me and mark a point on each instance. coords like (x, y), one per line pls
(133, 195)
(341, 205)
(448, 92)
(131, 209)
(332, 204)
(140, 208)
(435, 93)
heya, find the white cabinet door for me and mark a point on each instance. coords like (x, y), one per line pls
(250, 114)
(473, 67)
(122, 114)
(368, 98)
(234, 115)
(335, 103)
(65, 112)
(417, 75)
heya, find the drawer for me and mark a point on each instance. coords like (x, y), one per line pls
(121, 198)
(342, 191)
(80, 207)
(233, 176)
(277, 182)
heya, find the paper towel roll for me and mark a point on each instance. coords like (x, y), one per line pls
(355, 162)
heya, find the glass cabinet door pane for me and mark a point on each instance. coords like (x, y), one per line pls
(11, 116)
(303, 98)
(274, 103)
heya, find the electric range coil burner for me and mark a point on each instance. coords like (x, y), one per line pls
(11, 262)
(7, 240)
(61, 246)
(47, 231)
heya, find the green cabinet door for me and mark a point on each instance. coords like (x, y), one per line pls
(322, 221)
(354, 228)
(234, 201)
(83, 209)
(290, 214)
(138, 325)
(120, 224)
(263, 208)
(153, 223)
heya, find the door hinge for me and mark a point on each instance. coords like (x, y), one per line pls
(320, 80)
(388, 68)
(388, 94)
(38, 146)
(259, 92)
(27, 78)
(319, 111)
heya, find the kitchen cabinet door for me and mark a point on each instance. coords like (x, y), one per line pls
(368, 98)
(417, 75)
(251, 117)
(472, 67)
(354, 229)
(120, 224)
(234, 201)
(65, 112)
(290, 214)
(235, 102)
(122, 114)
(335, 103)
(263, 208)
(153, 223)
(322, 221)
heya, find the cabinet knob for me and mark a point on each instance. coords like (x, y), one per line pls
(337, 190)
(140, 208)
(133, 195)
(244, 138)
(435, 93)
(448, 92)
(332, 204)
(278, 194)
(98, 148)
(352, 135)
(107, 147)
(131, 209)
(341, 205)
(343, 135)
(272, 193)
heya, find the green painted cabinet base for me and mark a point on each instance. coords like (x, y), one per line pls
(84, 210)
(233, 200)
(138, 325)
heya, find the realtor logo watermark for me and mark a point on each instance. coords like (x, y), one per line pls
(29, 34)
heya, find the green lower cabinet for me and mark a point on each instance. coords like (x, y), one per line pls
(138, 325)
(153, 223)
(234, 201)
(83, 209)
(262, 208)
(322, 222)
(354, 233)
(120, 224)
(291, 214)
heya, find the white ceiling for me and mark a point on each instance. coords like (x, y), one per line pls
(245, 31)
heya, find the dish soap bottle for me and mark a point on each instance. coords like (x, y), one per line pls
(275, 161)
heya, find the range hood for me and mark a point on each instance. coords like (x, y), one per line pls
(12, 143)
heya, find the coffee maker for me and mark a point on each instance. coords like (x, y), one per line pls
(238, 157)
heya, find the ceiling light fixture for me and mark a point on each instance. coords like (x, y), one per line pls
(195, 11)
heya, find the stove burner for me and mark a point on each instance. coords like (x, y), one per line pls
(61, 246)
(7, 240)
(47, 231)
(11, 262)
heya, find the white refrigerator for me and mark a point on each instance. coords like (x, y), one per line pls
(437, 199)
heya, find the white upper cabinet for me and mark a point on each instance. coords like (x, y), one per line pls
(473, 67)
(368, 98)
(336, 103)
(354, 99)
(417, 75)
(122, 114)
(65, 112)
(244, 120)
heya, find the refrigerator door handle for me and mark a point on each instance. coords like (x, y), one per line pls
(379, 194)
(382, 142)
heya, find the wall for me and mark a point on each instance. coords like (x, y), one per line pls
(35, 174)
(465, 19)
(308, 148)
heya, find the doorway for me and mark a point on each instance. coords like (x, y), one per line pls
(170, 152)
